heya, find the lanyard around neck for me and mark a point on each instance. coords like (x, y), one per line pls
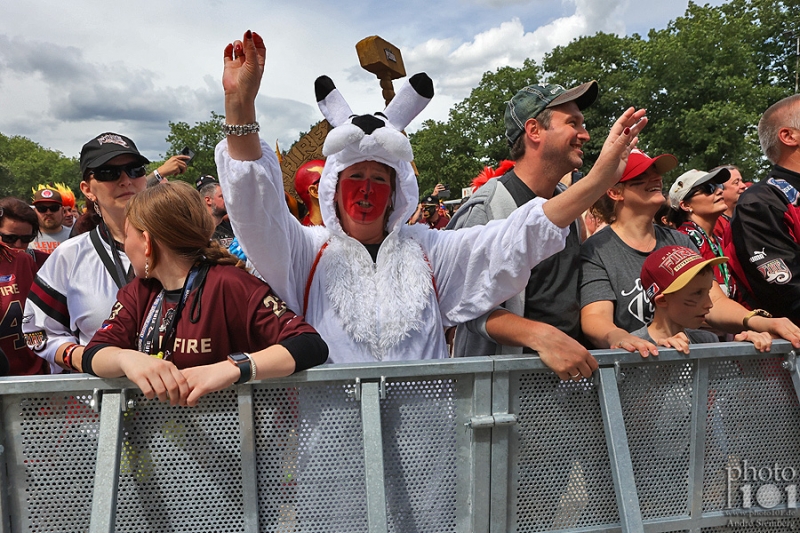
(150, 337)
(716, 249)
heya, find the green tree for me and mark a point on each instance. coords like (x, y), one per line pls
(453, 152)
(607, 58)
(708, 77)
(24, 164)
(201, 138)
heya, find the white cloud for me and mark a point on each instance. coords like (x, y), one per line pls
(458, 68)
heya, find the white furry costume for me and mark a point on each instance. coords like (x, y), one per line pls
(387, 310)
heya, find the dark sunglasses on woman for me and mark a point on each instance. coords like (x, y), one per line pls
(708, 188)
(113, 173)
(11, 238)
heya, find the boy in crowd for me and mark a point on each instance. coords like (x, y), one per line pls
(678, 282)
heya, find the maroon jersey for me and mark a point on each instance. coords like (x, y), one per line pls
(17, 270)
(236, 313)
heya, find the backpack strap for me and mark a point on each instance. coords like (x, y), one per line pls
(311, 275)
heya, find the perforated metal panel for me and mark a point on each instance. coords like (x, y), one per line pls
(310, 455)
(420, 454)
(561, 475)
(753, 416)
(657, 404)
(52, 441)
(180, 467)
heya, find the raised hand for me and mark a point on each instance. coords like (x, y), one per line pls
(241, 79)
(244, 67)
(621, 140)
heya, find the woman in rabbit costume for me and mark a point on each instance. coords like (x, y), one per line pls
(375, 288)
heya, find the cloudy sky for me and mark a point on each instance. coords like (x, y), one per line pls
(71, 70)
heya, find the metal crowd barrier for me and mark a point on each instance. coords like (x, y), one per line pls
(702, 443)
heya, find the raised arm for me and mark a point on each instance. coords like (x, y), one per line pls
(274, 241)
(241, 79)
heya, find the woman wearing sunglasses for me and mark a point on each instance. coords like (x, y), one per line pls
(77, 286)
(19, 226)
(613, 300)
(696, 203)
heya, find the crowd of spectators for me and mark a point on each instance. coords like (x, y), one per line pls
(538, 259)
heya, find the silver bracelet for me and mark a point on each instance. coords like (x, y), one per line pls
(252, 368)
(158, 175)
(241, 129)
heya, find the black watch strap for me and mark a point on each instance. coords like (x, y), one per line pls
(243, 362)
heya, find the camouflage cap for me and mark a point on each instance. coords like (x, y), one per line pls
(534, 99)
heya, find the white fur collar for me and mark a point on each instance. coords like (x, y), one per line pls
(379, 304)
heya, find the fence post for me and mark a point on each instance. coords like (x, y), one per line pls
(106, 476)
(5, 486)
(697, 446)
(618, 452)
(373, 457)
(500, 449)
(481, 489)
(248, 454)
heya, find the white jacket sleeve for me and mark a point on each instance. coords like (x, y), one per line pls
(279, 247)
(478, 268)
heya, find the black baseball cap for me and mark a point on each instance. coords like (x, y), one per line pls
(202, 181)
(106, 147)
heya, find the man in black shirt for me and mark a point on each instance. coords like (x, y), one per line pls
(545, 131)
(211, 192)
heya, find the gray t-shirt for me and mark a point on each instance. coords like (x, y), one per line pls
(695, 336)
(611, 270)
(47, 242)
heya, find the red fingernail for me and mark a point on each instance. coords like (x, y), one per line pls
(248, 35)
(626, 131)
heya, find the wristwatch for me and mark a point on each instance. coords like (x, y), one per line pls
(247, 367)
(754, 312)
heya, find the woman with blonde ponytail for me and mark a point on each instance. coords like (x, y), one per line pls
(191, 322)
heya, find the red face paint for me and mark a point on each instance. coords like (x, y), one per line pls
(365, 199)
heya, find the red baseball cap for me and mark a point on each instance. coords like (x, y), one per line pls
(671, 268)
(638, 163)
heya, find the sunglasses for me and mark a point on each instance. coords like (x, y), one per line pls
(10, 238)
(52, 208)
(708, 188)
(133, 171)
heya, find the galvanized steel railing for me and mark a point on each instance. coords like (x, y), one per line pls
(707, 442)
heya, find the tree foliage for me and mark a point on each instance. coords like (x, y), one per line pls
(201, 138)
(455, 151)
(705, 80)
(25, 164)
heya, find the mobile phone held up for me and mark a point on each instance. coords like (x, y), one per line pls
(188, 151)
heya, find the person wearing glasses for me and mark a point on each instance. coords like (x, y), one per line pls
(19, 226)
(614, 302)
(696, 201)
(77, 286)
(50, 209)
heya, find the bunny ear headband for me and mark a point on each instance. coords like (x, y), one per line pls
(379, 134)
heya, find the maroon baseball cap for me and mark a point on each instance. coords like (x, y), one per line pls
(671, 268)
(639, 162)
